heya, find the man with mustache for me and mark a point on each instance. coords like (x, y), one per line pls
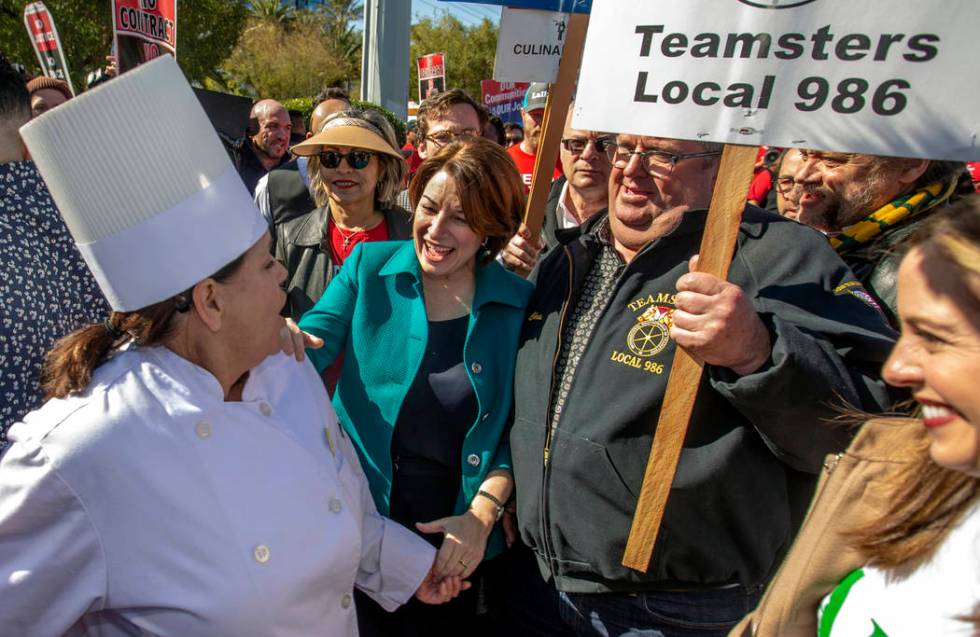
(266, 142)
(867, 205)
(783, 342)
(575, 197)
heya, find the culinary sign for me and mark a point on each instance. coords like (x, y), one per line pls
(143, 30)
(827, 74)
(47, 45)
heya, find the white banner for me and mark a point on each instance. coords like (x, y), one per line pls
(885, 78)
(529, 45)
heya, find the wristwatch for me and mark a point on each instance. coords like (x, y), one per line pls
(496, 501)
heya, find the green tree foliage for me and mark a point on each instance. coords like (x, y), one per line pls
(469, 51)
(207, 31)
(289, 51)
(273, 10)
(305, 106)
(280, 60)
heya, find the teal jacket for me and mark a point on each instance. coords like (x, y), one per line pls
(375, 312)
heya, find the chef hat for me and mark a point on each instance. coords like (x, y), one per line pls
(144, 185)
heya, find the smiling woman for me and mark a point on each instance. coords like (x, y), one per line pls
(430, 331)
(356, 172)
(897, 520)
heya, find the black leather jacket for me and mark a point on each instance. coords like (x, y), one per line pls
(310, 268)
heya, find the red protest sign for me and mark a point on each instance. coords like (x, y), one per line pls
(47, 45)
(432, 75)
(143, 30)
(503, 99)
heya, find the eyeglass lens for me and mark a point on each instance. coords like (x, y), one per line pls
(356, 159)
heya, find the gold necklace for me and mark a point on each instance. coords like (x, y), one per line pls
(346, 237)
(463, 304)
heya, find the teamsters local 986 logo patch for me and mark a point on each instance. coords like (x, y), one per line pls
(649, 335)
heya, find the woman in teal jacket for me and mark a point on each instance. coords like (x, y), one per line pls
(429, 332)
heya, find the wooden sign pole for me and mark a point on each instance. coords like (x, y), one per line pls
(559, 97)
(717, 249)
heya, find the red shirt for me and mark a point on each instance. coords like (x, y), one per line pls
(525, 165)
(761, 185)
(414, 160)
(342, 242)
(974, 168)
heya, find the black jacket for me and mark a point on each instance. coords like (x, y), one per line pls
(550, 224)
(247, 163)
(289, 196)
(754, 444)
(310, 268)
(876, 264)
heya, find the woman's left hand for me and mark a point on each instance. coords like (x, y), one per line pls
(294, 341)
(464, 544)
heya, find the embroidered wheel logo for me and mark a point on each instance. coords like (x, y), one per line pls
(647, 339)
(775, 4)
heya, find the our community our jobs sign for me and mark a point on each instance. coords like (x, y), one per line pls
(889, 78)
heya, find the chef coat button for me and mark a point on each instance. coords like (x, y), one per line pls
(476, 367)
(265, 409)
(261, 553)
(335, 505)
(473, 459)
(203, 430)
(345, 601)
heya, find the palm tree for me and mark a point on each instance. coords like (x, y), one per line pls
(340, 19)
(274, 10)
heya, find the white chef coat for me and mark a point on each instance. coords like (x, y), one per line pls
(150, 504)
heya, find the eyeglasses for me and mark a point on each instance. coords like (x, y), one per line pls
(656, 162)
(444, 137)
(577, 145)
(785, 184)
(356, 159)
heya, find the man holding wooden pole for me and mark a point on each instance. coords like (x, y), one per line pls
(781, 349)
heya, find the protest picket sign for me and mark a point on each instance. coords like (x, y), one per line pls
(820, 74)
(432, 75)
(559, 98)
(143, 30)
(566, 6)
(47, 44)
(503, 99)
(529, 45)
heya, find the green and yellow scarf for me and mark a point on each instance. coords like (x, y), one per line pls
(905, 207)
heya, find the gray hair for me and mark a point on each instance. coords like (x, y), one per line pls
(391, 170)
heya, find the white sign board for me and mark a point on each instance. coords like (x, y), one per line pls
(529, 45)
(884, 78)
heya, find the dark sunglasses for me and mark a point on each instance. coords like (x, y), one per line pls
(356, 159)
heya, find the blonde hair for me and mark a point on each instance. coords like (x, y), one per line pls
(391, 170)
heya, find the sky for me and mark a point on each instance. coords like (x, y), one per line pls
(469, 13)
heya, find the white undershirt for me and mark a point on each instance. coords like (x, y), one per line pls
(926, 603)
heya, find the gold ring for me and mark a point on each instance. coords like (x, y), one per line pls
(462, 563)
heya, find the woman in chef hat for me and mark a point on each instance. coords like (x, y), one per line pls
(185, 478)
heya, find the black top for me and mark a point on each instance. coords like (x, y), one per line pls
(755, 443)
(441, 405)
(438, 411)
